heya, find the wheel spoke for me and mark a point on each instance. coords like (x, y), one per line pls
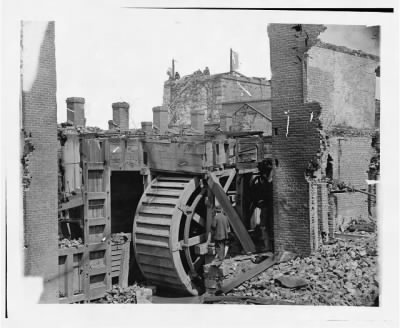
(195, 240)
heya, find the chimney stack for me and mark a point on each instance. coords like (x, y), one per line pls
(160, 118)
(121, 115)
(197, 120)
(76, 111)
(147, 127)
(225, 122)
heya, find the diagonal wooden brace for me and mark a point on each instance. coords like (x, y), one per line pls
(233, 217)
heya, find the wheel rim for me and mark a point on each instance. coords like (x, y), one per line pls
(169, 223)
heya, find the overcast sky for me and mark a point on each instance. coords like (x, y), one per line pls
(125, 58)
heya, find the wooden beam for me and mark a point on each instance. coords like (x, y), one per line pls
(195, 240)
(73, 202)
(233, 217)
(248, 274)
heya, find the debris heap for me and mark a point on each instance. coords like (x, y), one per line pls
(344, 273)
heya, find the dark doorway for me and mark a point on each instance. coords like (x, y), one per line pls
(126, 190)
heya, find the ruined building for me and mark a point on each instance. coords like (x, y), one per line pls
(39, 155)
(101, 204)
(242, 101)
(323, 112)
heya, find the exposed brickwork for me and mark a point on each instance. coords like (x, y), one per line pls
(342, 81)
(351, 205)
(39, 110)
(292, 226)
(351, 157)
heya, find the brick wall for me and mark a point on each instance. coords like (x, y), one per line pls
(39, 114)
(351, 205)
(351, 157)
(342, 81)
(292, 152)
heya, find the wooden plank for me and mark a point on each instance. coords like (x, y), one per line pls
(115, 250)
(163, 210)
(73, 202)
(123, 277)
(96, 195)
(70, 250)
(228, 286)
(169, 184)
(154, 221)
(95, 166)
(233, 217)
(116, 257)
(153, 231)
(154, 200)
(195, 240)
(70, 277)
(163, 193)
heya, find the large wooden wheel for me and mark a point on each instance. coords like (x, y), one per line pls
(169, 223)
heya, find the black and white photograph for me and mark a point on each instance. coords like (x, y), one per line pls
(200, 158)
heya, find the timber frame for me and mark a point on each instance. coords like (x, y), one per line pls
(211, 157)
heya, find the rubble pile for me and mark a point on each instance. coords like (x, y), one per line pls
(344, 273)
(68, 243)
(119, 295)
(133, 294)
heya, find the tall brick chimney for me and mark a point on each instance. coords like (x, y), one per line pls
(225, 122)
(121, 115)
(160, 118)
(76, 110)
(197, 120)
(147, 127)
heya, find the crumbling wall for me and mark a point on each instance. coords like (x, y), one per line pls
(39, 122)
(343, 81)
(325, 142)
(202, 92)
(296, 136)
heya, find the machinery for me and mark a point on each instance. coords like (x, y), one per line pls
(171, 229)
(184, 175)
